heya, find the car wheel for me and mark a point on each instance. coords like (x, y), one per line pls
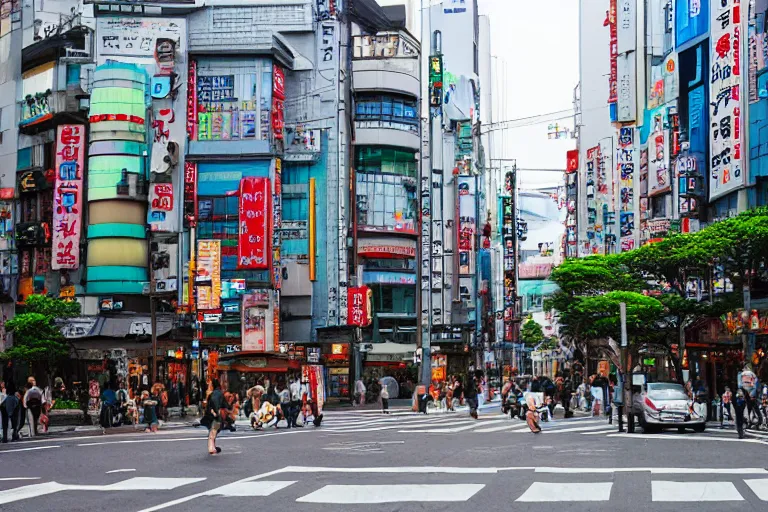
(699, 428)
(648, 429)
(681, 430)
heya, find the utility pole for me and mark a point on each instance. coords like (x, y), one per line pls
(623, 371)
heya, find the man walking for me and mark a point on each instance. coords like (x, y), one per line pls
(33, 402)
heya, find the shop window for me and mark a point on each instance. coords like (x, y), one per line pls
(370, 159)
(659, 206)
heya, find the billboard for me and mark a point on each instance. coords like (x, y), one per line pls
(359, 303)
(208, 276)
(68, 196)
(255, 210)
(256, 317)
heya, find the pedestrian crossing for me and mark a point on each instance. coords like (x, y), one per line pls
(493, 422)
(529, 485)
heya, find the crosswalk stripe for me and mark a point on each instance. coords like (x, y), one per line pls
(546, 492)
(251, 489)
(503, 428)
(691, 492)
(759, 486)
(370, 494)
(449, 430)
(600, 432)
(393, 426)
(573, 429)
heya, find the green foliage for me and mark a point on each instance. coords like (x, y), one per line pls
(66, 404)
(36, 337)
(531, 333)
(592, 288)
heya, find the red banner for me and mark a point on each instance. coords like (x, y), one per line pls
(278, 83)
(359, 306)
(253, 250)
(572, 158)
(68, 196)
(192, 100)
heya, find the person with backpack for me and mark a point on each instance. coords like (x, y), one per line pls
(739, 404)
(33, 403)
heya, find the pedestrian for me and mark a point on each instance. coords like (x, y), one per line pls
(33, 403)
(149, 404)
(212, 419)
(449, 394)
(739, 404)
(181, 391)
(470, 395)
(458, 389)
(749, 385)
(9, 410)
(726, 405)
(360, 392)
(384, 395)
(295, 404)
(532, 416)
(285, 403)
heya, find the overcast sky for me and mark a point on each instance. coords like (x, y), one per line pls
(537, 40)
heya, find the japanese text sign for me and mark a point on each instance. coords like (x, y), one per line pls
(255, 209)
(67, 196)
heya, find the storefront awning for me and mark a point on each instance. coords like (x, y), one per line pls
(117, 326)
(390, 352)
(257, 362)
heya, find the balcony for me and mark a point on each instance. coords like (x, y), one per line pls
(388, 61)
(386, 121)
(45, 110)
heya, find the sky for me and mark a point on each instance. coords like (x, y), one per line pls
(535, 45)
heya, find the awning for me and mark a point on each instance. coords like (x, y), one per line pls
(542, 287)
(117, 326)
(257, 362)
(390, 352)
(386, 247)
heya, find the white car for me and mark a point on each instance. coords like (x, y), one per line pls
(663, 405)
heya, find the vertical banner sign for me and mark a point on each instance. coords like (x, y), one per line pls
(208, 277)
(725, 99)
(68, 196)
(594, 243)
(276, 223)
(627, 90)
(278, 102)
(659, 180)
(572, 161)
(255, 206)
(192, 100)
(255, 313)
(359, 303)
(190, 194)
(614, 52)
(509, 237)
(466, 232)
(625, 165)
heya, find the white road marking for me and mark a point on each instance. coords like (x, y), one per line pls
(688, 437)
(504, 428)
(394, 423)
(119, 471)
(359, 494)
(400, 426)
(133, 484)
(540, 492)
(191, 497)
(759, 486)
(198, 438)
(654, 471)
(573, 429)
(472, 425)
(18, 478)
(30, 449)
(249, 489)
(607, 431)
(694, 492)
(29, 491)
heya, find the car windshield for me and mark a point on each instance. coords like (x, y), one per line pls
(666, 392)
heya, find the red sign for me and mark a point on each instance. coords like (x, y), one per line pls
(359, 306)
(610, 21)
(192, 100)
(572, 161)
(190, 193)
(278, 83)
(255, 234)
(68, 196)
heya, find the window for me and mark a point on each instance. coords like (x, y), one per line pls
(659, 206)
(388, 108)
(386, 201)
(394, 299)
(385, 160)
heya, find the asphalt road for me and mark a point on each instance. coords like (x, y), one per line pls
(366, 461)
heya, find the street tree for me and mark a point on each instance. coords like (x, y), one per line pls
(531, 333)
(37, 339)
